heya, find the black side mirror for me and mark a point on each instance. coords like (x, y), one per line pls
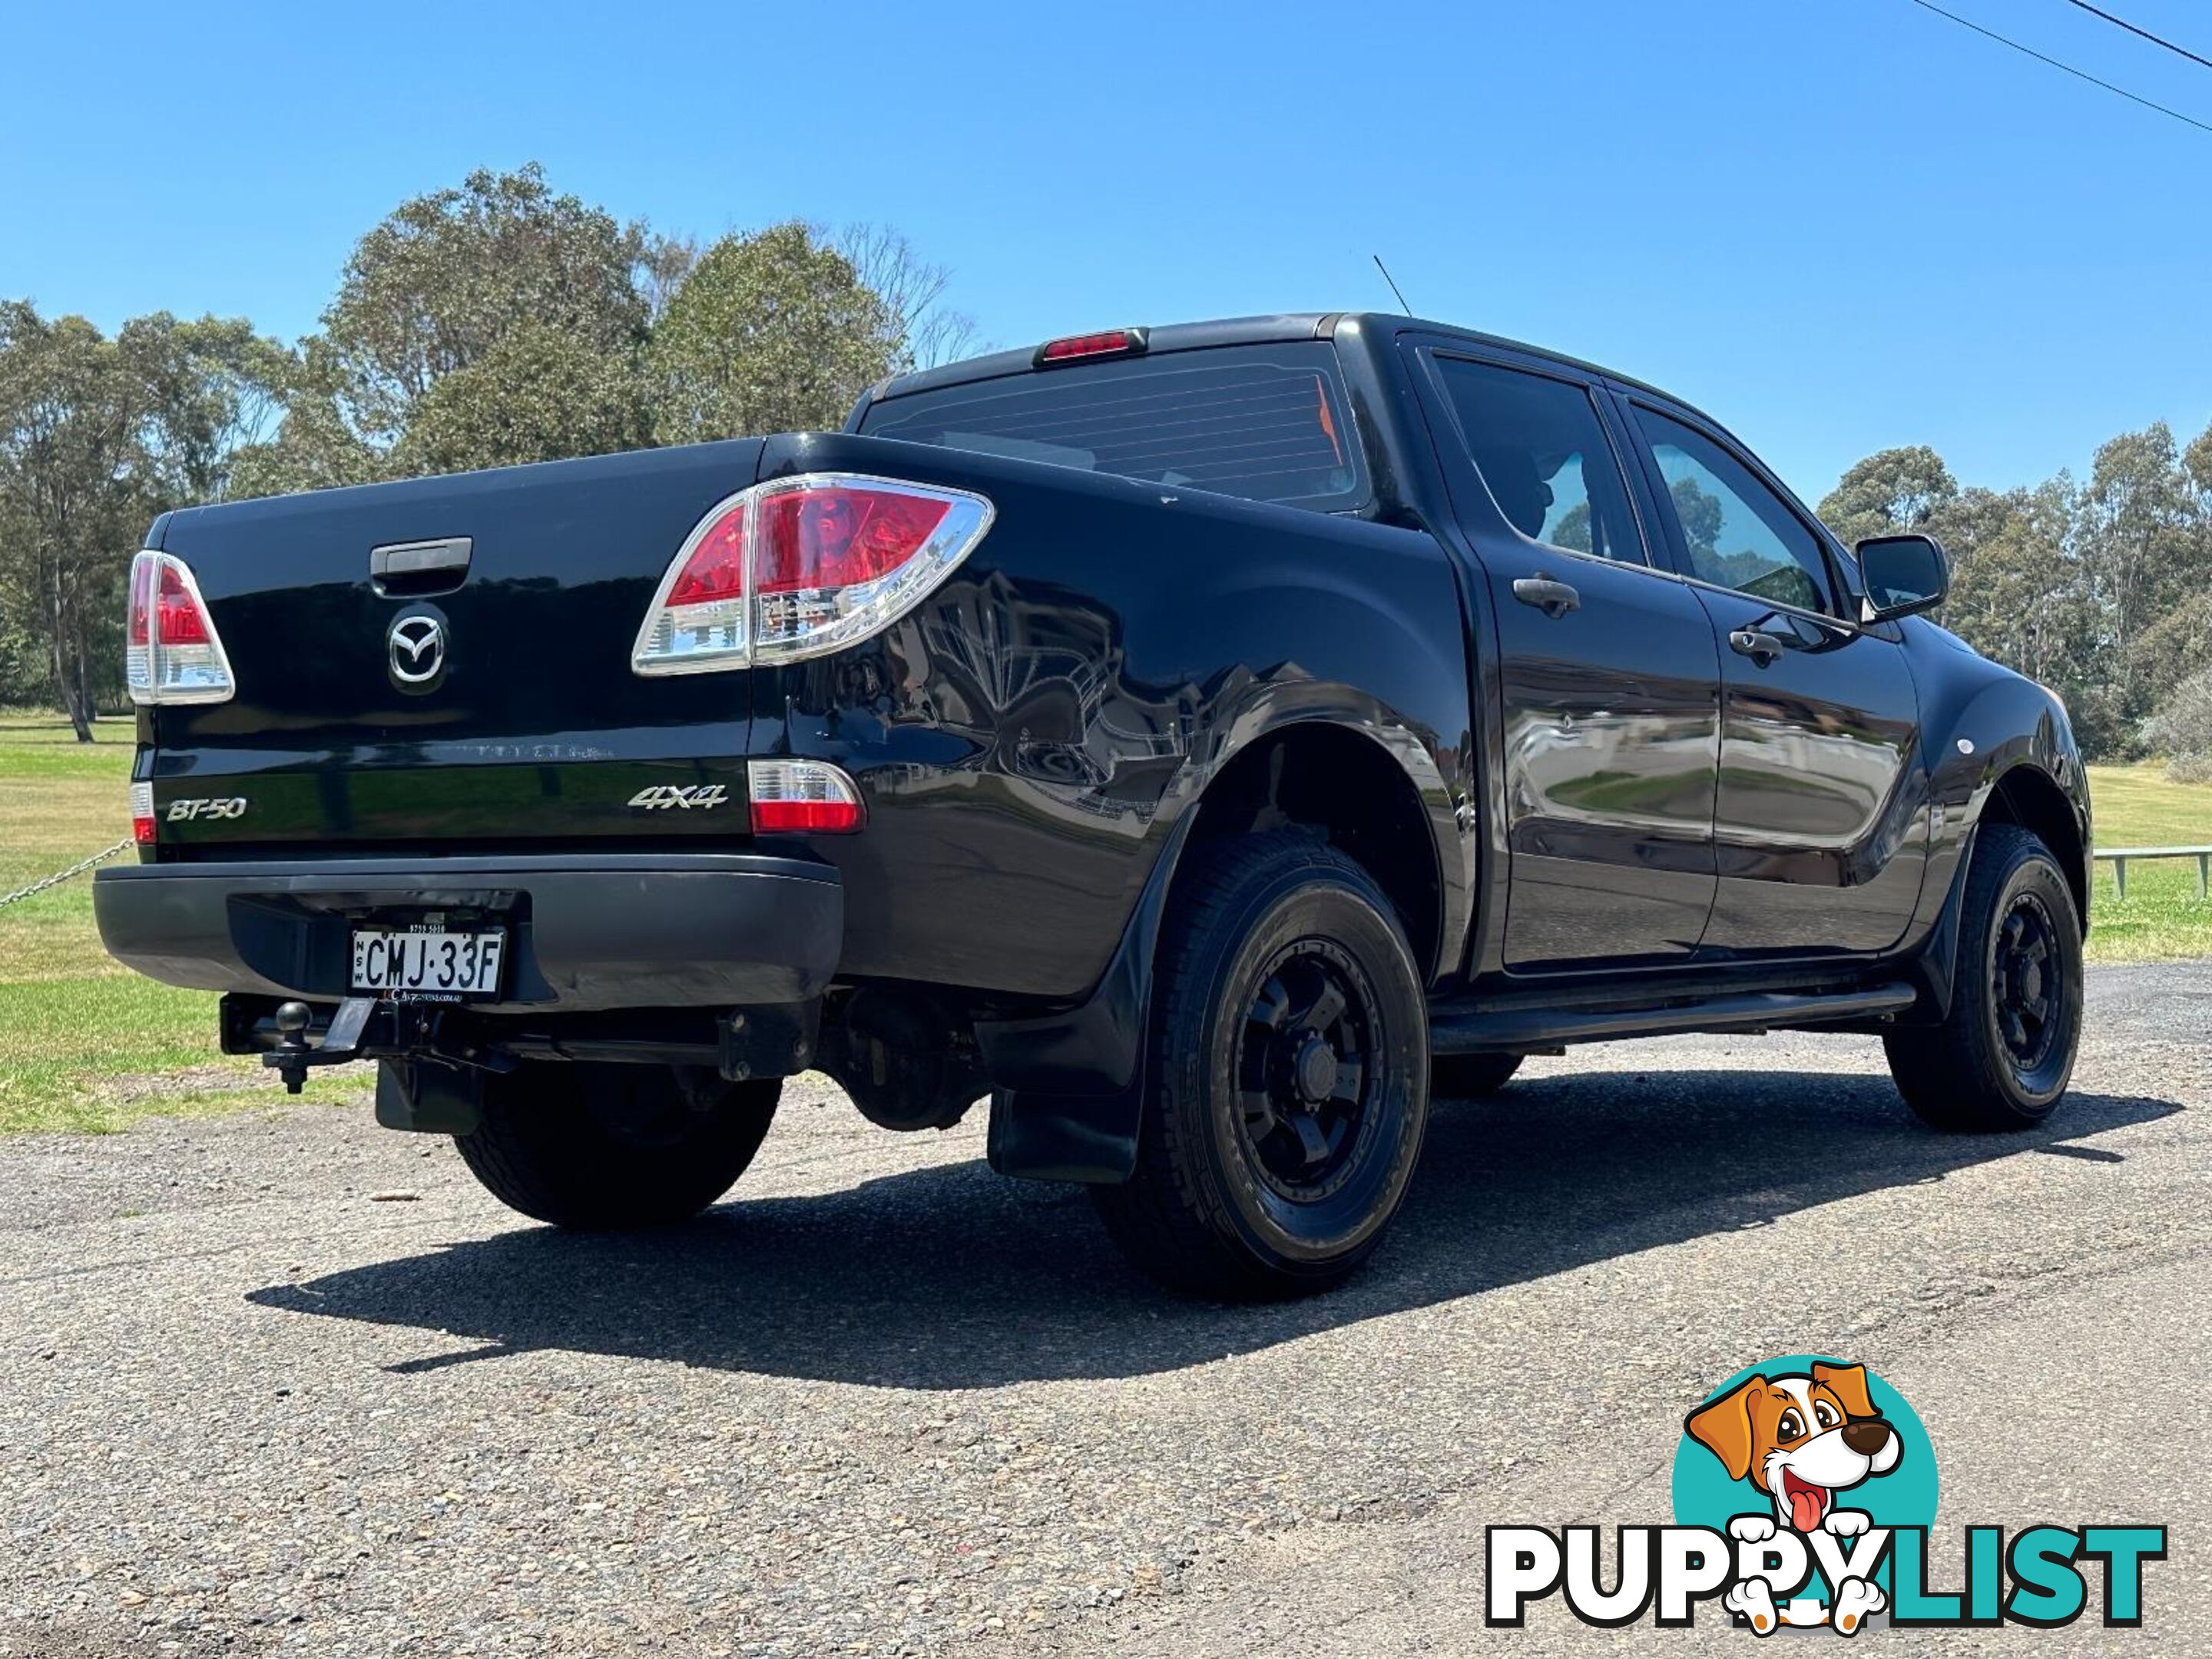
(1903, 575)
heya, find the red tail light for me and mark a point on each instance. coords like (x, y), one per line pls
(715, 572)
(145, 573)
(837, 536)
(183, 621)
(142, 814)
(803, 565)
(172, 654)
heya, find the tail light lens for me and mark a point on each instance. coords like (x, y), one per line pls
(801, 567)
(142, 814)
(803, 796)
(172, 652)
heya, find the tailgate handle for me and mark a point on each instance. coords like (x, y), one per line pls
(410, 568)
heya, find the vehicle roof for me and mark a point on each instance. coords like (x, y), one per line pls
(1243, 330)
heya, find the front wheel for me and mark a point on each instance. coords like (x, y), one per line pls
(1287, 1079)
(2003, 1055)
(594, 1145)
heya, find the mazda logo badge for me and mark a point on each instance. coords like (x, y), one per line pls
(417, 648)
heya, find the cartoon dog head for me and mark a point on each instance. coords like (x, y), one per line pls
(1800, 1438)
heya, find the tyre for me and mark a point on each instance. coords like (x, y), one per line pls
(1287, 1075)
(2002, 1059)
(602, 1146)
(1470, 1077)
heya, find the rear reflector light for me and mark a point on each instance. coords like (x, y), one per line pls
(800, 567)
(792, 797)
(142, 814)
(1109, 343)
(172, 652)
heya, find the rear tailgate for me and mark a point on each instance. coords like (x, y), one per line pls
(523, 722)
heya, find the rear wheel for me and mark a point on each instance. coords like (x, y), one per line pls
(2002, 1058)
(1470, 1077)
(594, 1145)
(1287, 1075)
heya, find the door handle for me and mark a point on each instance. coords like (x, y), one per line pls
(1761, 648)
(1554, 598)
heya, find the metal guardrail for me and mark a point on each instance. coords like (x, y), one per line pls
(2117, 857)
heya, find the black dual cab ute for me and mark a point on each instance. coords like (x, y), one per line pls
(1204, 742)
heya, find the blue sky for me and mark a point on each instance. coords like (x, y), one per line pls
(1836, 224)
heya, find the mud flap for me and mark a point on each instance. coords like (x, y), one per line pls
(1042, 1136)
(1070, 1087)
(1937, 969)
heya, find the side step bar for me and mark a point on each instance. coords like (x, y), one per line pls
(1522, 1028)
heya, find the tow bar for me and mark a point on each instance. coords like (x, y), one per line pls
(294, 1054)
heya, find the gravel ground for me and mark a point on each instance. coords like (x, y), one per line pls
(286, 1382)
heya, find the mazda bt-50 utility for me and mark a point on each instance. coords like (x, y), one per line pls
(1205, 743)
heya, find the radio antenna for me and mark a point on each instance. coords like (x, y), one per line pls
(1387, 278)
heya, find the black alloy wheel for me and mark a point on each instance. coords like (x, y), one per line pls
(1302, 1069)
(2002, 1055)
(2027, 987)
(1286, 1074)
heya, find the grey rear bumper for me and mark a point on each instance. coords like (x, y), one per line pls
(585, 931)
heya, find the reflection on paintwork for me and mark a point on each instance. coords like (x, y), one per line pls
(1013, 726)
(1821, 826)
(1640, 771)
(1612, 743)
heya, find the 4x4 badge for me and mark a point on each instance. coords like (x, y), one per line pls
(664, 795)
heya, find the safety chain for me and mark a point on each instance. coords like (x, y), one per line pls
(59, 876)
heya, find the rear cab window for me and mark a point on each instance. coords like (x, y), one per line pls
(1542, 450)
(1266, 423)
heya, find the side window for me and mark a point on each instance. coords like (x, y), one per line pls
(1738, 532)
(1542, 450)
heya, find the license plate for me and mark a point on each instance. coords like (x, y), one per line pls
(427, 962)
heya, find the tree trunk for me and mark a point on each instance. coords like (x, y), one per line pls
(68, 682)
(85, 700)
(79, 707)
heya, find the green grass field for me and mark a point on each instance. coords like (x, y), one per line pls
(85, 1045)
(2163, 918)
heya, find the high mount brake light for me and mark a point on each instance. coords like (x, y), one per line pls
(800, 567)
(1107, 343)
(172, 652)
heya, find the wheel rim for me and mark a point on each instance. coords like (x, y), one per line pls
(2027, 983)
(1306, 1069)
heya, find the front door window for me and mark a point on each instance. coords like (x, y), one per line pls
(1738, 533)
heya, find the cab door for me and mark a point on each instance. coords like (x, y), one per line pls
(1820, 825)
(1606, 668)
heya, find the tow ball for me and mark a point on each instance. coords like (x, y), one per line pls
(294, 1054)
